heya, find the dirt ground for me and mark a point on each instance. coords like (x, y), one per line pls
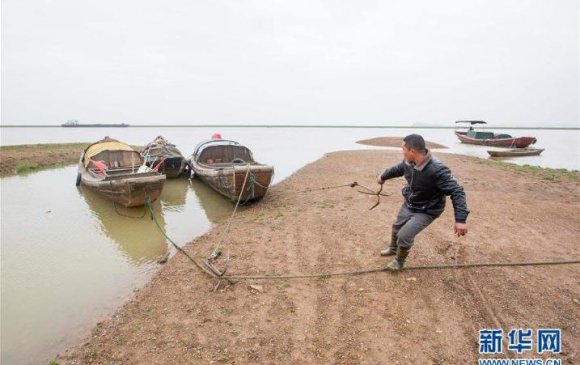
(394, 142)
(413, 317)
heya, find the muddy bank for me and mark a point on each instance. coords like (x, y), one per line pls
(408, 318)
(27, 158)
(22, 159)
(394, 142)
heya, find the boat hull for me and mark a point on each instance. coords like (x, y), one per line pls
(516, 152)
(243, 182)
(172, 163)
(172, 167)
(519, 142)
(130, 190)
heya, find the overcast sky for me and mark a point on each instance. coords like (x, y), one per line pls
(510, 62)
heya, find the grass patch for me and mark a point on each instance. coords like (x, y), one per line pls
(25, 167)
(24, 159)
(44, 147)
(545, 172)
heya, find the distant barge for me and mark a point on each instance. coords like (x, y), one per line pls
(76, 124)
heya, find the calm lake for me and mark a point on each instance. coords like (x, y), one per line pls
(68, 259)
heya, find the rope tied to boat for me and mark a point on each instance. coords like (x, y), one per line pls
(149, 208)
(217, 250)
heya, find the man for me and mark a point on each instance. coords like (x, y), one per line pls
(428, 183)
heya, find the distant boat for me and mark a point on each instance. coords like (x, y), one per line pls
(485, 138)
(516, 152)
(164, 157)
(116, 171)
(75, 124)
(229, 168)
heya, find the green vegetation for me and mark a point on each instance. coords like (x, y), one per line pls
(53, 362)
(545, 172)
(50, 147)
(24, 159)
(25, 167)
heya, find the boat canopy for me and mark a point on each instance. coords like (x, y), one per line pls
(480, 135)
(109, 145)
(216, 151)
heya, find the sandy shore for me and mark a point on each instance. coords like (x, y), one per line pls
(427, 317)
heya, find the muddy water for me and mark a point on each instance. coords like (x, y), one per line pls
(69, 258)
(297, 146)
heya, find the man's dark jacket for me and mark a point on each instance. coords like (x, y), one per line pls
(427, 186)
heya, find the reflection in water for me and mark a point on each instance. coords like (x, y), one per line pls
(137, 238)
(217, 208)
(174, 194)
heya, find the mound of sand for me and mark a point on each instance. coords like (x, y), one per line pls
(394, 142)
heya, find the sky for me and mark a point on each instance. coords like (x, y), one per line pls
(299, 62)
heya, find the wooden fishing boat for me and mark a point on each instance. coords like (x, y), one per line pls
(516, 152)
(465, 131)
(165, 157)
(118, 172)
(230, 169)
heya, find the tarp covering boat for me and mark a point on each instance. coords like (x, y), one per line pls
(107, 144)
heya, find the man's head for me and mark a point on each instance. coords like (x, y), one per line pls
(414, 148)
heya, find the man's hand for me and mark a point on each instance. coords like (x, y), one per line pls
(460, 229)
(379, 180)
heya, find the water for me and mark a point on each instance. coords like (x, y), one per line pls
(68, 259)
(301, 145)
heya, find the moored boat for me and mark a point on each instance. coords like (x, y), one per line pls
(164, 157)
(516, 152)
(117, 171)
(468, 134)
(230, 169)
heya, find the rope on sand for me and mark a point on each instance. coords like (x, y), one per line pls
(407, 268)
(233, 278)
(352, 273)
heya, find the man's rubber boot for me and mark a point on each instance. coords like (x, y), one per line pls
(392, 250)
(399, 262)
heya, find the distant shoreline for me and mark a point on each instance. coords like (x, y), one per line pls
(281, 126)
(95, 126)
(26, 158)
